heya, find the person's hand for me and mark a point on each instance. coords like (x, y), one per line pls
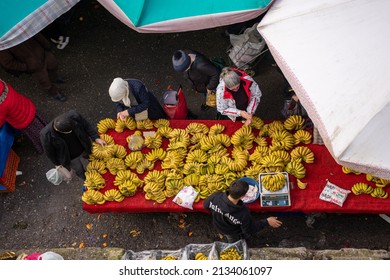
(209, 91)
(101, 142)
(247, 117)
(274, 222)
(123, 115)
(295, 97)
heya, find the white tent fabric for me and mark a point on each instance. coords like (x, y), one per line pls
(334, 53)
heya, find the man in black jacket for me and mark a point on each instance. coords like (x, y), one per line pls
(67, 141)
(198, 71)
(232, 217)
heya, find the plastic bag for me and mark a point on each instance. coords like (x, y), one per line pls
(54, 176)
(50, 256)
(191, 250)
(154, 255)
(240, 246)
(186, 197)
(334, 194)
(211, 99)
(136, 142)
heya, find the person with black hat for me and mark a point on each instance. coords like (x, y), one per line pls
(198, 71)
(67, 141)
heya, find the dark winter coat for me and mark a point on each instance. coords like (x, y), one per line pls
(203, 74)
(55, 147)
(230, 218)
(145, 100)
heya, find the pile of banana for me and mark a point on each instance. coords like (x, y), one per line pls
(230, 254)
(91, 196)
(363, 188)
(347, 170)
(273, 182)
(169, 258)
(113, 195)
(205, 158)
(200, 257)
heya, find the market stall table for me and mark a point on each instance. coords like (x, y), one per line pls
(307, 200)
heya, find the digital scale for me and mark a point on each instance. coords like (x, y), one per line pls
(275, 199)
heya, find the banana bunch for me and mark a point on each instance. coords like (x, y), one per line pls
(108, 138)
(113, 195)
(177, 145)
(191, 168)
(120, 125)
(230, 254)
(302, 136)
(197, 156)
(261, 141)
(179, 135)
(126, 177)
(264, 130)
(214, 159)
(272, 163)
(379, 182)
(155, 176)
(296, 168)
(195, 139)
(347, 170)
(173, 160)
(194, 128)
(230, 177)
(223, 139)
(258, 153)
(379, 193)
(275, 126)
(164, 131)
(135, 142)
(301, 184)
(154, 192)
(144, 124)
(236, 165)
(133, 159)
(102, 152)
(254, 171)
(284, 138)
(156, 154)
(161, 123)
(130, 123)
(105, 124)
(94, 180)
(285, 156)
(200, 256)
(243, 137)
(143, 165)
(93, 197)
(97, 165)
(206, 168)
(170, 258)
(302, 153)
(208, 142)
(257, 123)
(216, 129)
(115, 164)
(173, 183)
(295, 122)
(154, 141)
(360, 188)
(273, 182)
(191, 180)
(221, 169)
(119, 151)
(128, 188)
(277, 146)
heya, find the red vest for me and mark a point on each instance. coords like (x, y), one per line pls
(15, 108)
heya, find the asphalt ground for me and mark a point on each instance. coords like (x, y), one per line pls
(40, 215)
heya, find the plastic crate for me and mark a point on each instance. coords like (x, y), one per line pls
(7, 181)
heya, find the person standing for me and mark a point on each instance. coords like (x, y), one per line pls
(132, 98)
(198, 71)
(34, 56)
(232, 217)
(20, 112)
(238, 95)
(67, 141)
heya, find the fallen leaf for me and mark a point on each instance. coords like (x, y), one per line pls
(74, 244)
(88, 226)
(99, 217)
(190, 234)
(182, 221)
(181, 226)
(105, 235)
(81, 245)
(220, 236)
(104, 244)
(134, 232)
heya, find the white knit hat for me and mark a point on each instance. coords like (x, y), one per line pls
(119, 91)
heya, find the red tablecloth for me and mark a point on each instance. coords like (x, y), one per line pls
(324, 168)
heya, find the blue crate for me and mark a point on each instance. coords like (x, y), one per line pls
(7, 133)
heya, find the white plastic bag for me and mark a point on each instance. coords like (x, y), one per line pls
(334, 194)
(54, 176)
(65, 173)
(186, 197)
(49, 255)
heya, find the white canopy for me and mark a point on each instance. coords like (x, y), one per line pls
(335, 55)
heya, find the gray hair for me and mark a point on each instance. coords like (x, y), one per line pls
(230, 77)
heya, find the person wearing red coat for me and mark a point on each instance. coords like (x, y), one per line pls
(20, 112)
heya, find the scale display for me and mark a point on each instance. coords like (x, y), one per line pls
(275, 198)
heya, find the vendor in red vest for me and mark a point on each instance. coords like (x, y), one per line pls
(20, 112)
(238, 95)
